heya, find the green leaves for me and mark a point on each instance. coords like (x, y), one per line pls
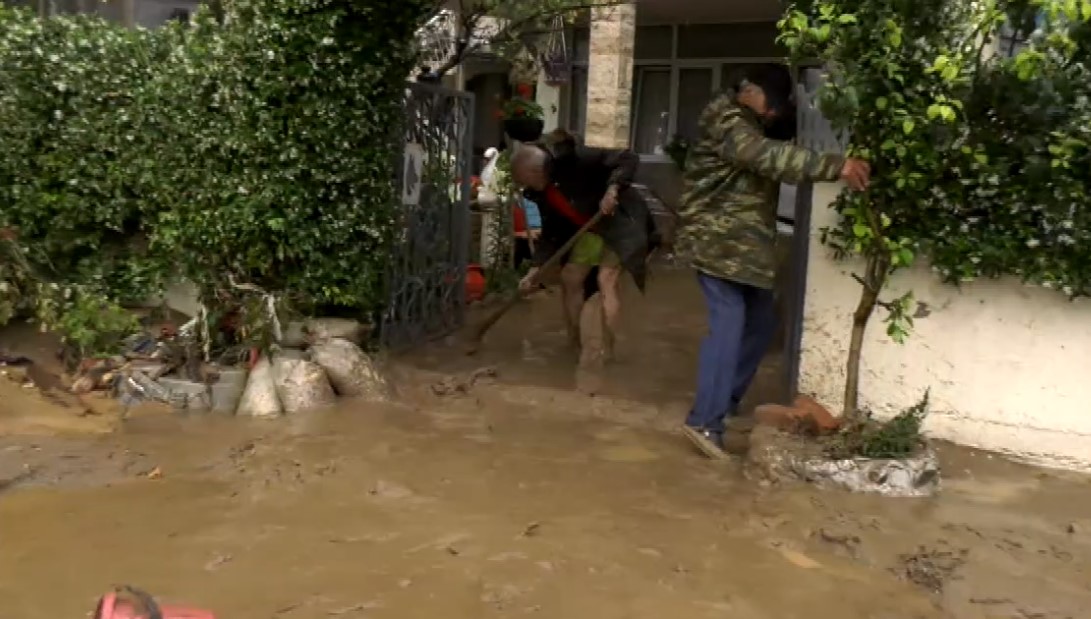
(899, 320)
(941, 111)
(982, 163)
(258, 148)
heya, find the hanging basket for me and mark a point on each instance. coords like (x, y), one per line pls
(524, 129)
(558, 71)
(554, 58)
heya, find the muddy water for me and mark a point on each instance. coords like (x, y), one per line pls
(522, 497)
(471, 509)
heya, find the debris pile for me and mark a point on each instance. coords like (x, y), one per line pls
(316, 361)
(776, 455)
(805, 442)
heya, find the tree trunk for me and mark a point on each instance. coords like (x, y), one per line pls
(873, 281)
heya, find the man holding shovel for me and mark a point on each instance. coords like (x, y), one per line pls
(728, 230)
(570, 183)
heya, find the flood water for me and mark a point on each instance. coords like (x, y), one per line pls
(523, 496)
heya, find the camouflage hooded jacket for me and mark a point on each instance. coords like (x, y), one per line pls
(728, 215)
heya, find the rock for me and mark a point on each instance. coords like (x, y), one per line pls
(350, 371)
(298, 334)
(227, 391)
(1071, 528)
(453, 385)
(186, 394)
(805, 415)
(823, 419)
(785, 418)
(301, 385)
(259, 398)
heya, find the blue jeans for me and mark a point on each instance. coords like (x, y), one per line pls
(741, 323)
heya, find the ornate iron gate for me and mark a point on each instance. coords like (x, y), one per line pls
(427, 270)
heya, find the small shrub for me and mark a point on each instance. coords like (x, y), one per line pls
(900, 437)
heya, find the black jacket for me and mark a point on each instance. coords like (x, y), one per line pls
(582, 174)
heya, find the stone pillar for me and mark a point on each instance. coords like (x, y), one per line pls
(549, 97)
(610, 76)
(128, 13)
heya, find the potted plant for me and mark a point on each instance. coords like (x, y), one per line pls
(522, 116)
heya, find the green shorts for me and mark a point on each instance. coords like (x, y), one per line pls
(591, 251)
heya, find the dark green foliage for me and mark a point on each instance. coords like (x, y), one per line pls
(290, 114)
(899, 437)
(981, 160)
(254, 145)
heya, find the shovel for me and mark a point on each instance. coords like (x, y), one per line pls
(473, 344)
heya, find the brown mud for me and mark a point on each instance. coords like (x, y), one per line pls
(510, 493)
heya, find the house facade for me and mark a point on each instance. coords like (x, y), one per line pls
(643, 72)
(1006, 364)
(146, 13)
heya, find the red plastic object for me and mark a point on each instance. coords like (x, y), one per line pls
(519, 219)
(475, 283)
(129, 603)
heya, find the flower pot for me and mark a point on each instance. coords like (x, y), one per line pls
(524, 129)
(475, 283)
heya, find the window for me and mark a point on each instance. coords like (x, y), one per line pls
(694, 93)
(651, 109)
(1016, 33)
(577, 101)
(653, 43)
(678, 69)
(1011, 40)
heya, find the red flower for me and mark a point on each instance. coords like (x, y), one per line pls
(500, 113)
(520, 112)
(524, 91)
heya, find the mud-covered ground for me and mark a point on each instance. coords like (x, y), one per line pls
(527, 494)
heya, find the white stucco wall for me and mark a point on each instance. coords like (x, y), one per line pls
(1009, 365)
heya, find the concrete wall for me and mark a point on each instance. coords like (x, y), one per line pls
(1009, 365)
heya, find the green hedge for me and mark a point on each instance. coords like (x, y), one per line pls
(982, 161)
(73, 175)
(253, 145)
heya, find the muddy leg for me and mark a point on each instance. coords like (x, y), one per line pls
(610, 288)
(572, 276)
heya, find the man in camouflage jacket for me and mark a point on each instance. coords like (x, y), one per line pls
(728, 230)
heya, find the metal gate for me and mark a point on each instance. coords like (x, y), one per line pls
(427, 270)
(814, 132)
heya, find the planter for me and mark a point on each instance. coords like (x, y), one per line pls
(524, 129)
(777, 456)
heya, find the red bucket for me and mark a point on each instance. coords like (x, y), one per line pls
(475, 283)
(129, 603)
